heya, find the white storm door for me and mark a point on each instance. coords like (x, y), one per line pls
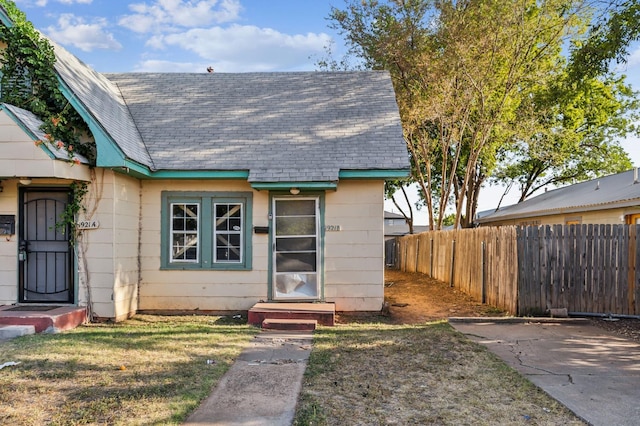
(295, 248)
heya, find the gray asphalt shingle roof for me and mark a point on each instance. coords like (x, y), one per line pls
(304, 126)
(618, 190)
(281, 127)
(103, 101)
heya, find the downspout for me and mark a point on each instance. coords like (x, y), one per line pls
(139, 260)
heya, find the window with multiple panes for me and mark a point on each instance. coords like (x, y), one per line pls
(228, 232)
(206, 230)
(184, 232)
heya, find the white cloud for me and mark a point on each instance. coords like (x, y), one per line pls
(247, 48)
(169, 66)
(73, 30)
(163, 15)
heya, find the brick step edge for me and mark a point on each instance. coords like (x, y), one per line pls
(289, 324)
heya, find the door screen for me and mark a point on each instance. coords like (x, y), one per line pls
(295, 247)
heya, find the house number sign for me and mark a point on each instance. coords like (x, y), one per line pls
(88, 224)
(332, 228)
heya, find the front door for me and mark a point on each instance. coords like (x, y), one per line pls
(45, 253)
(296, 249)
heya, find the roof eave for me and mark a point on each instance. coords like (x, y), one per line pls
(633, 202)
(386, 174)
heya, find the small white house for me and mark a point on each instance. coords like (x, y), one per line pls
(210, 192)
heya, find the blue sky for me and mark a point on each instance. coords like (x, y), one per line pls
(228, 35)
(187, 36)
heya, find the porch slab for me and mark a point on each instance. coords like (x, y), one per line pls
(53, 320)
(323, 313)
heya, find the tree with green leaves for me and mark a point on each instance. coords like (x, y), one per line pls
(615, 27)
(574, 135)
(466, 74)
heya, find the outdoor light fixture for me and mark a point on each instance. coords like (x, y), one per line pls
(294, 191)
(25, 181)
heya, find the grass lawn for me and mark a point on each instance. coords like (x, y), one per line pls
(147, 370)
(429, 374)
(156, 370)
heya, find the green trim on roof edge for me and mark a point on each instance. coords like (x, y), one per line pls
(132, 168)
(374, 174)
(108, 152)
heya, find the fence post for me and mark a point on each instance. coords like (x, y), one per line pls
(453, 260)
(406, 249)
(482, 277)
(431, 260)
(417, 253)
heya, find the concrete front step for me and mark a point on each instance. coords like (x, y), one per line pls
(53, 320)
(11, 331)
(289, 324)
(323, 313)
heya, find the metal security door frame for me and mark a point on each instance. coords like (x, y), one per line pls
(25, 247)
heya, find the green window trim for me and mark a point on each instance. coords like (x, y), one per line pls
(208, 234)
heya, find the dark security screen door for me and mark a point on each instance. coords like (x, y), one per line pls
(295, 246)
(45, 253)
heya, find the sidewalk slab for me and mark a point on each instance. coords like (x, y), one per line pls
(11, 331)
(589, 370)
(262, 386)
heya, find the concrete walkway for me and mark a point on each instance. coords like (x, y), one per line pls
(262, 386)
(592, 372)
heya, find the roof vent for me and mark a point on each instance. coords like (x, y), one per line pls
(635, 175)
(598, 185)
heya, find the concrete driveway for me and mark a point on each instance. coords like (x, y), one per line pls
(592, 372)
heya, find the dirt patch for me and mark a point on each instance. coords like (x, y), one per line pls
(414, 298)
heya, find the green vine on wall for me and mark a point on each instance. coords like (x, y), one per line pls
(68, 219)
(28, 80)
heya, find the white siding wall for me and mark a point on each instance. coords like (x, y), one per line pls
(354, 270)
(9, 245)
(354, 261)
(200, 289)
(20, 156)
(112, 249)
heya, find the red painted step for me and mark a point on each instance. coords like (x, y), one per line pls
(289, 324)
(323, 313)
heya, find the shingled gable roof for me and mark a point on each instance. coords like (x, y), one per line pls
(281, 127)
(613, 191)
(102, 100)
(267, 127)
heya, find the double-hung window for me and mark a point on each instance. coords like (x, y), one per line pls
(206, 230)
(184, 232)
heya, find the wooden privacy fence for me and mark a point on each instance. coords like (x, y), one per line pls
(530, 270)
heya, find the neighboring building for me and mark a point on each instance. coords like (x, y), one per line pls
(395, 225)
(211, 192)
(613, 199)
